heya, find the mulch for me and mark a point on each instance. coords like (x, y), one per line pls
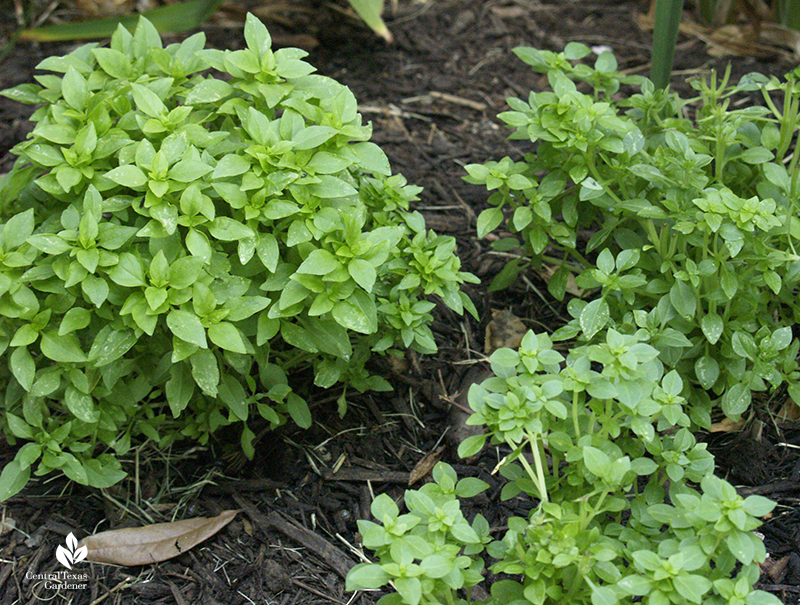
(433, 97)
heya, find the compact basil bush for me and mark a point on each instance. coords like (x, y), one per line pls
(176, 246)
(679, 217)
(599, 442)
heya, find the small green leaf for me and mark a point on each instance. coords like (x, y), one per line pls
(298, 410)
(13, 479)
(311, 137)
(782, 338)
(319, 262)
(187, 326)
(62, 348)
(364, 576)
(706, 369)
(205, 371)
(363, 272)
(256, 35)
(81, 405)
(471, 445)
(129, 271)
(103, 471)
(49, 243)
(233, 396)
(179, 388)
(128, 176)
(410, 589)
(712, 327)
(18, 427)
(75, 89)
(489, 220)
(210, 90)
(187, 171)
(110, 345)
(757, 155)
(683, 299)
(113, 62)
(470, 486)
(384, 507)
(357, 313)
(604, 595)
(436, 566)
(596, 461)
(23, 367)
(17, 230)
(147, 101)
(594, 317)
(736, 400)
(225, 335)
(507, 276)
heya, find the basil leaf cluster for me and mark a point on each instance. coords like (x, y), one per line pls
(186, 230)
(676, 216)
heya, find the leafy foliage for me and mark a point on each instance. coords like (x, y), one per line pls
(176, 245)
(693, 224)
(599, 441)
(691, 229)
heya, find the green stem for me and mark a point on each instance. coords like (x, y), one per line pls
(538, 476)
(575, 410)
(788, 119)
(793, 174)
(597, 177)
(560, 261)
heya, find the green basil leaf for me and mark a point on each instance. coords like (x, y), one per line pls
(205, 371)
(187, 326)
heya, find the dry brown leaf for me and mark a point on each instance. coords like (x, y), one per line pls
(153, 543)
(506, 330)
(425, 466)
(104, 8)
(789, 412)
(7, 524)
(776, 568)
(726, 425)
(764, 40)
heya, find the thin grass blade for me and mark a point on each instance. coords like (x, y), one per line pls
(665, 35)
(370, 12)
(789, 13)
(172, 18)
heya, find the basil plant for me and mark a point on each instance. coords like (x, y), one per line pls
(189, 236)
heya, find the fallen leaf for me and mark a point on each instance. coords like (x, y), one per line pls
(425, 466)
(789, 412)
(153, 543)
(7, 524)
(726, 425)
(104, 8)
(506, 330)
(776, 568)
(758, 38)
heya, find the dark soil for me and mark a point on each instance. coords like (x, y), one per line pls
(433, 97)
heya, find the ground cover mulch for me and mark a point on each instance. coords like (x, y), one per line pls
(432, 97)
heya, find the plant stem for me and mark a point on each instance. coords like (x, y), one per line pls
(538, 476)
(575, 410)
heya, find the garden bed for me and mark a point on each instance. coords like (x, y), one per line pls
(432, 97)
